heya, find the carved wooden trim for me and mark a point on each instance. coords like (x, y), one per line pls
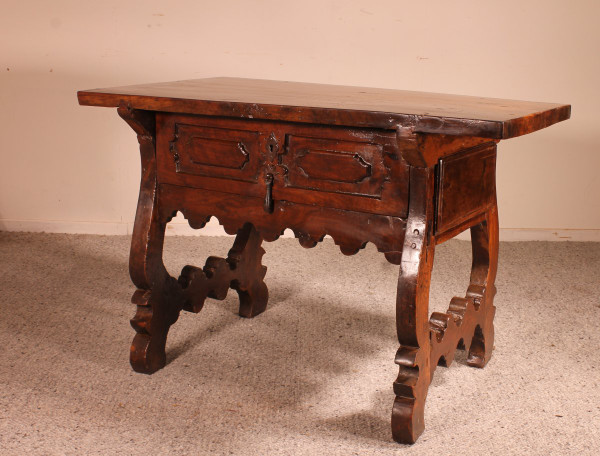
(384, 192)
(353, 166)
(310, 224)
(358, 168)
(215, 152)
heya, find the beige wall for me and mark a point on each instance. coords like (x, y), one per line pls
(71, 168)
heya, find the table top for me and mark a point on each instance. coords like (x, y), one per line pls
(336, 105)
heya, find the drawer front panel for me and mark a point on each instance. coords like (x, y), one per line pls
(334, 166)
(210, 153)
(344, 168)
(216, 152)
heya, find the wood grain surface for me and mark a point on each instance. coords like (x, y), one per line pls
(336, 105)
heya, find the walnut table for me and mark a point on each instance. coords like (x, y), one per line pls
(403, 170)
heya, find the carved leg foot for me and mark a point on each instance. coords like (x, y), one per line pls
(253, 300)
(159, 297)
(481, 345)
(156, 311)
(410, 388)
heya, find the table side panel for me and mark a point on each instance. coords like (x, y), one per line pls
(466, 186)
(325, 164)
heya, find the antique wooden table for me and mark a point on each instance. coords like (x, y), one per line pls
(403, 170)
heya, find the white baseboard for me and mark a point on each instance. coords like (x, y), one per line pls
(179, 227)
(61, 226)
(543, 234)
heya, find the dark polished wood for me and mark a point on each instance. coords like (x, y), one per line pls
(403, 170)
(159, 297)
(349, 168)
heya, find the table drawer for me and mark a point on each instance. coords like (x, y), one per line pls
(344, 168)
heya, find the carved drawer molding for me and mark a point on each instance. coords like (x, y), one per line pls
(335, 166)
(344, 168)
(216, 152)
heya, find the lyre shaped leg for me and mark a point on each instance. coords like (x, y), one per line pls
(412, 304)
(426, 341)
(160, 297)
(469, 321)
(158, 306)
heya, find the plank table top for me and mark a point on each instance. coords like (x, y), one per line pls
(423, 112)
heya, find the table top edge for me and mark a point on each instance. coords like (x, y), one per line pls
(348, 116)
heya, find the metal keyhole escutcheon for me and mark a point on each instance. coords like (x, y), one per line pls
(268, 205)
